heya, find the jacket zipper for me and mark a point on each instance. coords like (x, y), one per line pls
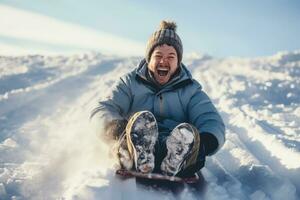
(160, 104)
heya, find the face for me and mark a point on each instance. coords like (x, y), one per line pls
(163, 63)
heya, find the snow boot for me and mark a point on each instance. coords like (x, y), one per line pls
(141, 136)
(182, 149)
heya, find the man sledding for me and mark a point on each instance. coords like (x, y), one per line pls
(164, 122)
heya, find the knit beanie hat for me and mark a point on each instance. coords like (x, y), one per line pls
(166, 34)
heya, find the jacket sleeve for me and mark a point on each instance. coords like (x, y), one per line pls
(203, 114)
(114, 107)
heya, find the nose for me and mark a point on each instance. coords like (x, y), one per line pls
(163, 61)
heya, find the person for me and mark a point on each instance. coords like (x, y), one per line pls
(162, 119)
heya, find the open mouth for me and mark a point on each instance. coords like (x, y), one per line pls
(162, 72)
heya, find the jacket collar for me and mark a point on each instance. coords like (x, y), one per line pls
(184, 76)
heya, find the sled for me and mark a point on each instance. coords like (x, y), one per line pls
(159, 177)
(160, 182)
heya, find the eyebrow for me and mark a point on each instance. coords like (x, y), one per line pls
(158, 52)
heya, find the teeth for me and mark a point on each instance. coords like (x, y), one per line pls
(162, 69)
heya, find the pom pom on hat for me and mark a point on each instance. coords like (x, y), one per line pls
(168, 25)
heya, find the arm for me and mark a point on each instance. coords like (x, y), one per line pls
(109, 117)
(203, 114)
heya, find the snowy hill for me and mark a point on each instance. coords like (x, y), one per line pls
(48, 149)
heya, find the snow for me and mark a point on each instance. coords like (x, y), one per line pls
(48, 149)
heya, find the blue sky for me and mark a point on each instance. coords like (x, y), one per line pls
(220, 28)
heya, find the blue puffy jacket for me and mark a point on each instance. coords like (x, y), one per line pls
(179, 100)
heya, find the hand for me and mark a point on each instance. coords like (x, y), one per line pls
(209, 141)
(115, 128)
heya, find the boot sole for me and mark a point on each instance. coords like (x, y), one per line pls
(143, 134)
(178, 144)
